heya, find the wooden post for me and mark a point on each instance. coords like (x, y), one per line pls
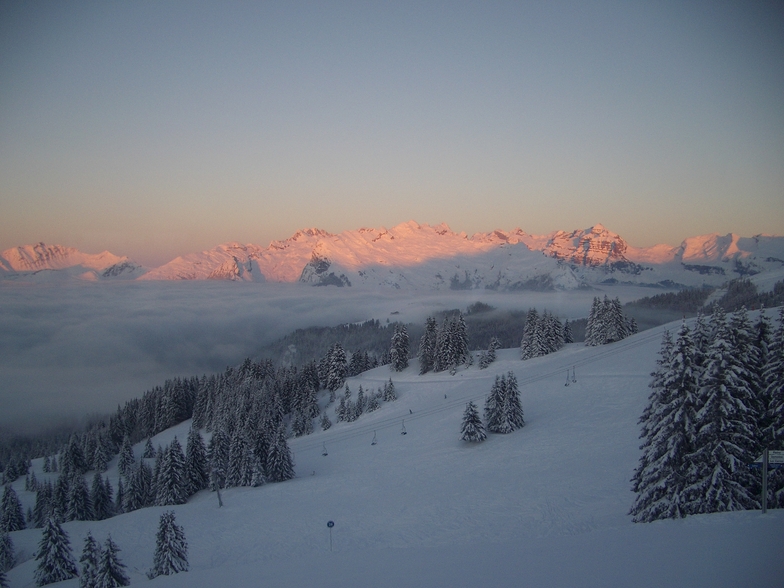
(765, 480)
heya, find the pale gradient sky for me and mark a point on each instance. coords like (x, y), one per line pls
(153, 129)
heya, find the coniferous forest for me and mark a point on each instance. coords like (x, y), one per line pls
(717, 401)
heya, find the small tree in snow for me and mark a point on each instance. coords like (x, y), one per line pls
(472, 430)
(111, 571)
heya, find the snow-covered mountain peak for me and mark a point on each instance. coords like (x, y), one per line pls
(589, 247)
(40, 257)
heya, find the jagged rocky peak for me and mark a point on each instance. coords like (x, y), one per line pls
(591, 247)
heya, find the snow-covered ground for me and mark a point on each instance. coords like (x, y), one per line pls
(543, 506)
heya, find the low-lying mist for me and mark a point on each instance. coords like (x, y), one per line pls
(68, 350)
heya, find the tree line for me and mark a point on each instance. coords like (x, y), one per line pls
(717, 401)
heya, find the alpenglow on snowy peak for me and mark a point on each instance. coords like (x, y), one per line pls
(55, 261)
(414, 256)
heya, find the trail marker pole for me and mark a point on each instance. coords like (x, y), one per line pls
(330, 524)
(765, 480)
(769, 459)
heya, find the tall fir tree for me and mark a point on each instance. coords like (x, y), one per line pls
(725, 438)
(11, 513)
(280, 465)
(665, 473)
(54, 557)
(427, 346)
(398, 351)
(91, 556)
(102, 502)
(171, 548)
(80, 505)
(196, 470)
(171, 483)
(7, 553)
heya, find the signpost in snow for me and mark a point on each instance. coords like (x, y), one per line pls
(774, 458)
(330, 524)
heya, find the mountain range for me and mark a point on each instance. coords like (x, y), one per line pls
(414, 256)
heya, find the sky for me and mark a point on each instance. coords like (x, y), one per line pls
(155, 129)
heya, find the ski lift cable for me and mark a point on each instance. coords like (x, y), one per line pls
(392, 420)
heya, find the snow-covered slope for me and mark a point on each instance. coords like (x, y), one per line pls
(48, 262)
(543, 506)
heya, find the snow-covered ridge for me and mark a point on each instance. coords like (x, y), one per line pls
(417, 256)
(55, 261)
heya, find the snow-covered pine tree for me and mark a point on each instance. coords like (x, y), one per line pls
(488, 357)
(43, 505)
(427, 346)
(617, 326)
(389, 391)
(80, 506)
(461, 350)
(73, 461)
(591, 325)
(494, 405)
(325, 422)
(91, 556)
(196, 472)
(773, 433)
(514, 407)
(171, 548)
(567, 332)
(54, 557)
(149, 450)
(280, 465)
(503, 410)
(111, 571)
(171, 479)
(218, 458)
(472, 428)
(238, 451)
(139, 493)
(337, 367)
(398, 351)
(125, 460)
(663, 476)
(724, 436)
(526, 343)
(102, 502)
(7, 554)
(3, 580)
(633, 328)
(11, 513)
(119, 500)
(744, 343)
(101, 456)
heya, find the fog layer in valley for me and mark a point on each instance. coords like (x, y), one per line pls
(67, 350)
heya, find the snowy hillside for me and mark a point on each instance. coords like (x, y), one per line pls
(543, 506)
(43, 262)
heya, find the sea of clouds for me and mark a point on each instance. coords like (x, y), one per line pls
(72, 349)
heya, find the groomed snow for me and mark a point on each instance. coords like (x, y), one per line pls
(543, 506)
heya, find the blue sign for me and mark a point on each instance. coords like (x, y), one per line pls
(330, 524)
